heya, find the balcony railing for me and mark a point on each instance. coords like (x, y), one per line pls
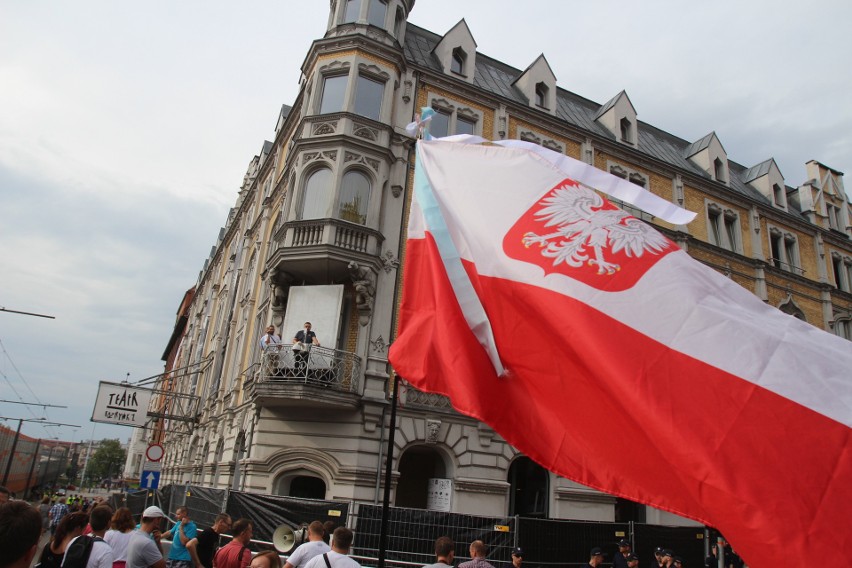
(413, 398)
(333, 232)
(318, 367)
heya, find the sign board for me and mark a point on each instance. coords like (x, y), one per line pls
(154, 452)
(440, 493)
(121, 404)
(151, 466)
(149, 479)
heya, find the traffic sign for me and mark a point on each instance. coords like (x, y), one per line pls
(154, 453)
(149, 479)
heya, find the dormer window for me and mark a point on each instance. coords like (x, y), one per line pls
(719, 170)
(376, 13)
(457, 61)
(541, 91)
(626, 130)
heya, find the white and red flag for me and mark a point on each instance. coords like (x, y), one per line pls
(598, 348)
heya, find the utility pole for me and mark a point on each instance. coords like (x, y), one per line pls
(32, 467)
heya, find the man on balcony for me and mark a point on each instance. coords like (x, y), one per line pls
(302, 343)
(270, 346)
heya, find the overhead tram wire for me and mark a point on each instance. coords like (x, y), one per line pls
(5, 309)
(23, 380)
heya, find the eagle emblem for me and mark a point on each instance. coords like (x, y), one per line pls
(581, 234)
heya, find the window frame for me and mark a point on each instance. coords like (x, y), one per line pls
(344, 15)
(368, 77)
(324, 80)
(458, 58)
(542, 93)
(370, 5)
(339, 204)
(309, 175)
(456, 112)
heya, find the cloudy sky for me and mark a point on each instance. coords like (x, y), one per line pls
(126, 128)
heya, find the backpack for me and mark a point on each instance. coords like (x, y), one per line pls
(79, 551)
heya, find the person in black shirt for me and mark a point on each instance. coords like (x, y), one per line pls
(302, 343)
(203, 547)
(619, 560)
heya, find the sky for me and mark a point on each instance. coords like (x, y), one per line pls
(126, 129)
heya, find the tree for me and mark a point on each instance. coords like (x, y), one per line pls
(107, 461)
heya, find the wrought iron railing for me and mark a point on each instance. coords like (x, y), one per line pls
(317, 366)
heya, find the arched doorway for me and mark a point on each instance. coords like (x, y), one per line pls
(529, 493)
(417, 466)
(299, 484)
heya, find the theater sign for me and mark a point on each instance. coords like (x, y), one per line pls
(121, 404)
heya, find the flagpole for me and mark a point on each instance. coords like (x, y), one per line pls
(383, 531)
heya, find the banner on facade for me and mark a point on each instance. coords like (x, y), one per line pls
(121, 404)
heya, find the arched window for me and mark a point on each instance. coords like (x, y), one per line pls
(296, 484)
(354, 197)
(541, 91)
(317, 195)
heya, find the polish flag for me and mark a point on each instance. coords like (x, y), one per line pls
(591, 343)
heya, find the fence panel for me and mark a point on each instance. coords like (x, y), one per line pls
(268, 512)
(686, 542)
(412, 534)
(203, 503)
(548, 542)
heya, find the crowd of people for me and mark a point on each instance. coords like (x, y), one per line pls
(87, 533)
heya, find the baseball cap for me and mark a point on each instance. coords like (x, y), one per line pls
(632, 557)
(153, 513)
(623, 542)
(518, 551)
(668, 552)
(596, 552)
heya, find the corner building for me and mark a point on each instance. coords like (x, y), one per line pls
(317, 234)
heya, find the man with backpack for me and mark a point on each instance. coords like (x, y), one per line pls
(90, 550)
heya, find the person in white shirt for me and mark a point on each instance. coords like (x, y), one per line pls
(101, 555)
(337, 558)
(269, 338)
(118, 536)
(306, 551)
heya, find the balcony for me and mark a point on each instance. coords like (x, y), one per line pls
(410, 397)
(319, 378)
(321, 249)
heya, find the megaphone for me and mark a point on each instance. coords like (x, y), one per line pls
(285, 538)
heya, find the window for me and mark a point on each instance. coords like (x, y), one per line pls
(351, 11)
(450, 118)
(843, 328)
(398, 24)
(635, 178)
(785, 251)
(333, 93)
(714, 215)
(732, 230)
(318, 191)
(778, 195)
(457, 62)
(719, 170)
(626, 129)
(368, 97)
(439, 126)
(354, 198)
(376, 13)
(465, 125)
(833, 216)
(839, 272)
(541, 91)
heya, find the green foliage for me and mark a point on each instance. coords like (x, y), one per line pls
(107, 461)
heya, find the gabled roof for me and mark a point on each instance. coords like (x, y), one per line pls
(699, 145)
(541, 57)
(460, 23)
(611, 103)
(758, 171)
